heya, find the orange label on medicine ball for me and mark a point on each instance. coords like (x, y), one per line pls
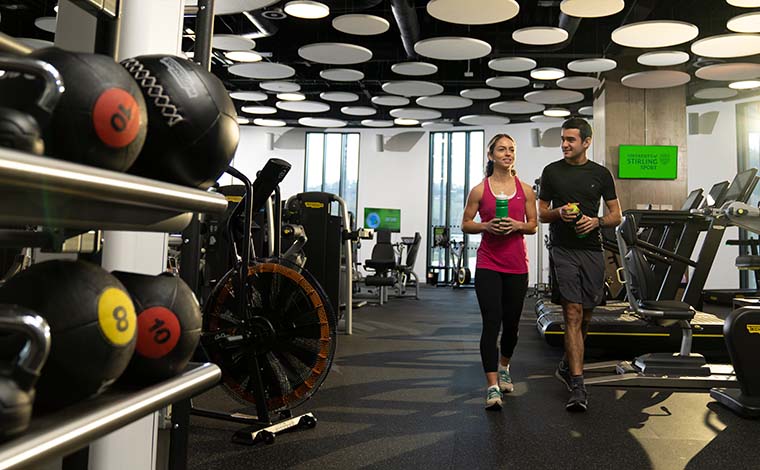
(116, 118)
(157, 332)
(116, 316)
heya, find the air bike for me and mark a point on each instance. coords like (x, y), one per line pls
(735, 385)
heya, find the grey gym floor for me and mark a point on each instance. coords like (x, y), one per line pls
(406, 390)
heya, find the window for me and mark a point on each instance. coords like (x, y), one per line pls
(332, 165)
(456, 166)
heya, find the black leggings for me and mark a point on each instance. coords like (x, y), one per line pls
(501, 297)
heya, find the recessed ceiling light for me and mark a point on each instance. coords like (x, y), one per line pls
(746, 23)
(744, 3)
(307, 9)
(745, 85)
(658, 33)
(591, 8)
(540, 35)
(557, 112)
(55, 8)
(547, 73)
(406, 122)
(243, 56)
(727, 45)
(243, 120)
(291, 96)
(269, 122)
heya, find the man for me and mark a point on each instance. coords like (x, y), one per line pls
(576, 247)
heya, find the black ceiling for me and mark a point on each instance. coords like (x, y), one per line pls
(588, 38)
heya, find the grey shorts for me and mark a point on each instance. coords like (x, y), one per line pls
(577, 276)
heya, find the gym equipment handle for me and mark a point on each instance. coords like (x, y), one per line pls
(54, 86)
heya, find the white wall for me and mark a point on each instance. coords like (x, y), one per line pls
(397, 176)
(712, 158)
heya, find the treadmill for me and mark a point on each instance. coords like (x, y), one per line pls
(614, 326)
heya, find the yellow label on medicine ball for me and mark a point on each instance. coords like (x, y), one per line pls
(116, 316)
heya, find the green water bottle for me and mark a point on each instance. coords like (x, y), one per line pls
(502, 206)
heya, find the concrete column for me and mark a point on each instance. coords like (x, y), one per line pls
(624, 115)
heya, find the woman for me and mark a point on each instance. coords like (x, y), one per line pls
(501, 275)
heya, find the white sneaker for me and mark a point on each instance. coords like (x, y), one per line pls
(493, 398)
(505, 381)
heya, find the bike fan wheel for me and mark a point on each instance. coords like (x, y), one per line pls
(288, 323)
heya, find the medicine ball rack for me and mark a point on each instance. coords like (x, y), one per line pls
(57, 194)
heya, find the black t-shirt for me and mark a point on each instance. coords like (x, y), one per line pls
(562, 183)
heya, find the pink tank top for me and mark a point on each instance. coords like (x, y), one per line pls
(503, 253)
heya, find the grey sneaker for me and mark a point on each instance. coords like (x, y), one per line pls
(493, 399)
(578, 399)
(563, 374)
(505, 381)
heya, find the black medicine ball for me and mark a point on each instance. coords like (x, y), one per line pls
(193, 130)
(168, 326)
(92, 327)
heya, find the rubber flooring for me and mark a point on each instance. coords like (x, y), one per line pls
(406, 391)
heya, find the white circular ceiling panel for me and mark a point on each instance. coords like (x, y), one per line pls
(480, 93)
(592, 65)
(656, 33)
(512, 64)
(280, 87)
(231, 42)
(258, 109)
(377, 123)
(444, 102)
(727, 45)
(229, 7)
(269, 122)
(578, 83)
(507, 81)
(303, 106)
(436, 125)
(321, 122)
(473, 11)
(248, 96)
(390, 100)
(655, 79)
(358, 110)
(415, 113)
(729, 72)
(553, 96)
(336, 53)
(586, 110)
(591, 8)
(262, 70)
(46, 23)
(452, 48)
(360, 24)
(745, 3)
(717, 93)
(540, 35)
(484, 120)
(412, 88)
(746, 23)
(342, 75)
(516, 107)
(415, 69)
(663, 58)
(339, 96)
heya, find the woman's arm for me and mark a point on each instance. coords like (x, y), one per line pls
(471, 209)
(530, 225)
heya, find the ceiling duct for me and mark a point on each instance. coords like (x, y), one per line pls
(408, 25)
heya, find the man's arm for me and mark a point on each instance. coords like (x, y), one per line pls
(614, 214)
